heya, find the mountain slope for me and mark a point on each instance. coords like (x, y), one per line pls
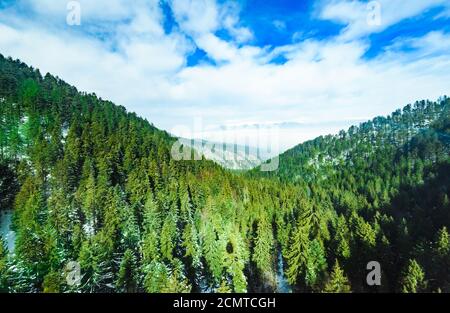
(230, 156)
(389, 180)
(379, 136)
(93, 184)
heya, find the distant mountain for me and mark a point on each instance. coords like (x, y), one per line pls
(276, 137)
(230, 156)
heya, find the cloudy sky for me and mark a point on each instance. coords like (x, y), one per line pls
(311, 67)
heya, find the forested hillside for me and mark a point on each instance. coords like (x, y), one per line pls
(388, 183)
(90, 183)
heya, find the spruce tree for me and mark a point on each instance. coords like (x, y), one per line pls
(3, 266)
(338, 282)
(413, 278)
(298, 254)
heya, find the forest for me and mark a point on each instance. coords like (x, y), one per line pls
(91, 184)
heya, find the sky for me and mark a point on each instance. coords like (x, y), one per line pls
(223, 70)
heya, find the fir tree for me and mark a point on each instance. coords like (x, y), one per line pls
(413, 278)
(338, 282)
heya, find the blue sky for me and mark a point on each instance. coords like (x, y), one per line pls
(320, 65)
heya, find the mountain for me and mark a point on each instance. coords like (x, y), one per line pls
(98, 203)
(230, 156)
(387, 178)
(386, 136)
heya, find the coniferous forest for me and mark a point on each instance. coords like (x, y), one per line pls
(90, 184)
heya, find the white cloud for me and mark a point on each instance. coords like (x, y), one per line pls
(328, 82)
(322, 81)
(106, 10)
(355, 14)
(433, 43)
(218, 49)
(229, 15)
(200, 19)
(196, 17)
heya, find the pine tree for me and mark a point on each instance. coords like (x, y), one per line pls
(317, 264)
(441, 261)
(97, 264)
(169, 237)
(30, 240)
(151, 232)
(177, 282)
(338, 282)
(297, 257)
(191, 245)
(3, 266)
(156, 276)
(341, 240)
(264, 250)
(224, 287)
(236, 257)
(413, 278)
(52, 282)
(127, 276)
(443, 242)
(213, 251)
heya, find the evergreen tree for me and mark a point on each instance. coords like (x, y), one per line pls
(52, 282)
(127, 276)
(338, 282)
(3, 266)
(413, 278)
(264, 249)
(316, 265)
(443, 242)
(298, 255)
